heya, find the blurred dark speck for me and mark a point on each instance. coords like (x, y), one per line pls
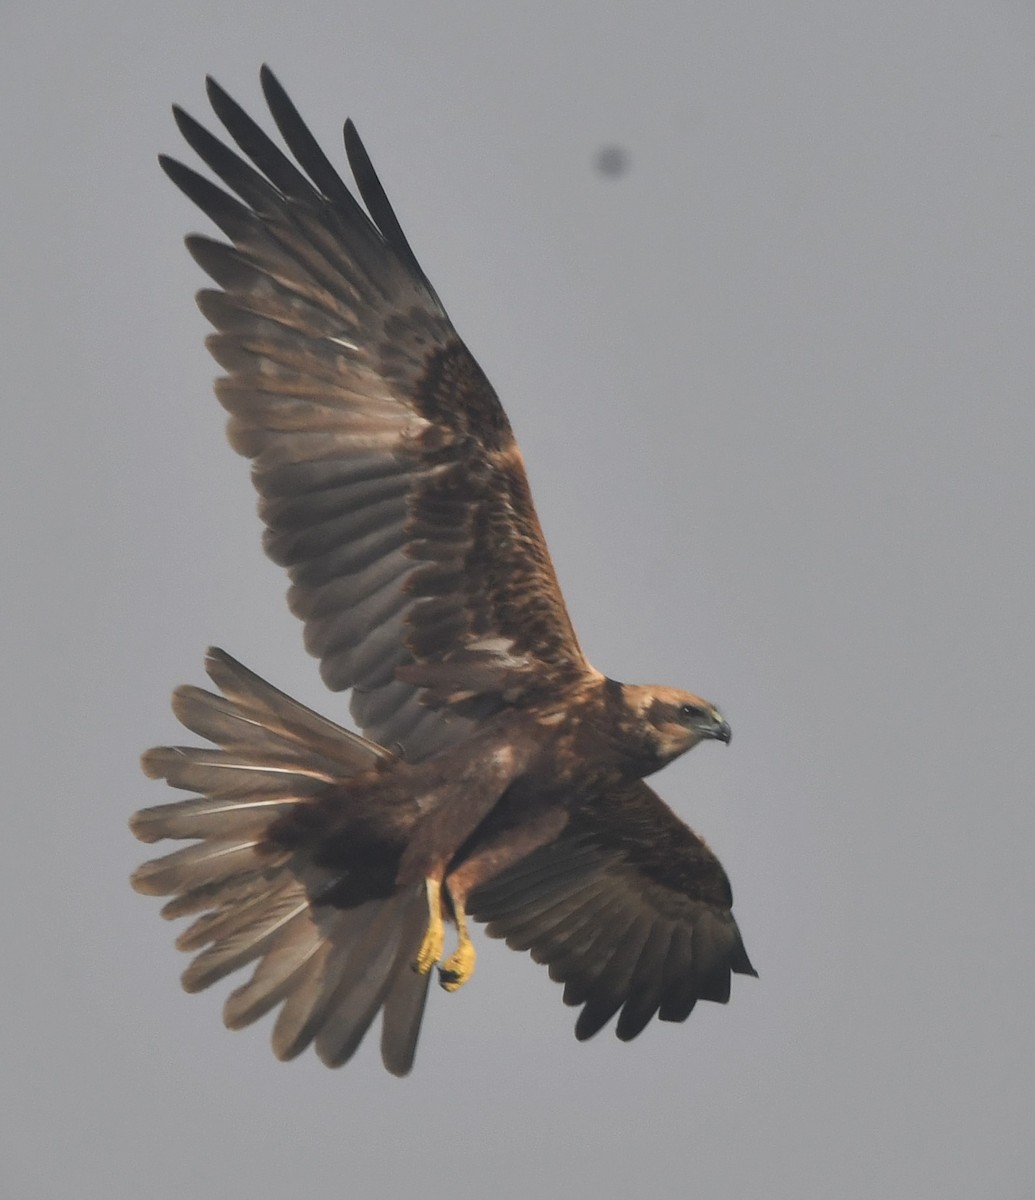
(612, 161)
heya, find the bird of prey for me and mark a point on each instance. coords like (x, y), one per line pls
(499, 776)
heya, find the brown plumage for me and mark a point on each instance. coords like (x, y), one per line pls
(499, 774)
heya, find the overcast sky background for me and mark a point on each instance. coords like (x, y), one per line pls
(774, 388)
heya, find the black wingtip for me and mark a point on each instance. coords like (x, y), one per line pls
(216, 93)
(303, 144)
(178, 172)
(741, 964)
(194, 133)
(378, 204)
(272, 88)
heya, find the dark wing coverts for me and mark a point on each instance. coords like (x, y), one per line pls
(630, 910)
(390, 482)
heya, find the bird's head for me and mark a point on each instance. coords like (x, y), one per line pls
(672, 721)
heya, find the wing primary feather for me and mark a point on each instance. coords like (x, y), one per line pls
(609, 990)
(647, 982)
(260, 147)
(679, 993)
(379, 206)
(253, 188)
(587, 952)
(570, 947)
(233, 218)
(304, 146)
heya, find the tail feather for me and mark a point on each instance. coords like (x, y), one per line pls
(207, 817)
(308, 1004)
(403, 1008)
(390, 944)
(208, 862)
(248, 941)
(231, 774)
(332, 946)
(217, 925)
(241, 721)
(277, 973)
(276, 711)
(216, 896)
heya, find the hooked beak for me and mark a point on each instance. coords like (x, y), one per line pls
(718, 728)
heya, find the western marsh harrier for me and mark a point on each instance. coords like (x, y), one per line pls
(499, 776)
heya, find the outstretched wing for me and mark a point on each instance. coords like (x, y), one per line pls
(630, 910)
(389, 480)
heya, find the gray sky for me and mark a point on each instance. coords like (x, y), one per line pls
(774, 388)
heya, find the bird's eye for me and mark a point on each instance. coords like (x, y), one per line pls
(689, 712)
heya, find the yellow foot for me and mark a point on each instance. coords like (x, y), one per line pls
(431, 947)
(459, 967)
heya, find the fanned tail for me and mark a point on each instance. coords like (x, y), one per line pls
(272, 877)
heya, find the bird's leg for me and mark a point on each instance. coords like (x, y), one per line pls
(453, 806)
(493, 857)
(459, 966)
(430, 950)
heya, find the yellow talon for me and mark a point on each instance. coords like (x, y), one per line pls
(431, 947)
(459, 967)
